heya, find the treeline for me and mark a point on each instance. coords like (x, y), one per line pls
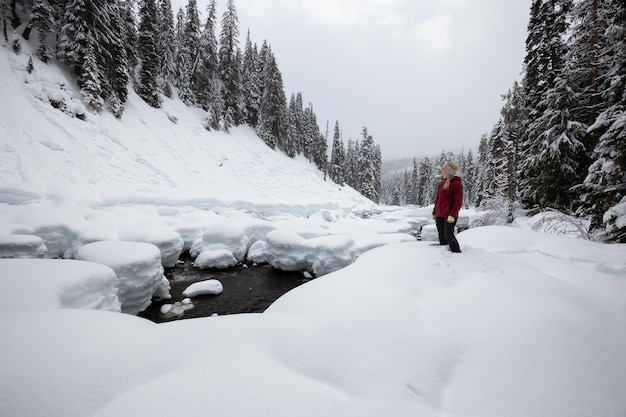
(560, 141)
(417, 184)
(113, 45)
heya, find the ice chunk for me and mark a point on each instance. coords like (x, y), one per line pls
(258, 252)
(208, 287)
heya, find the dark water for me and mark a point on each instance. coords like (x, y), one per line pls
(247, 289)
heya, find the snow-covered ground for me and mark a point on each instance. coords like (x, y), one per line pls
(520, 324)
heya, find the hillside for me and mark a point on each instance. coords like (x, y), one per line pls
(53, 149)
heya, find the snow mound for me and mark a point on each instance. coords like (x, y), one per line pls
(22, 246)
(207, 287)
(138, 269)
(41, 284)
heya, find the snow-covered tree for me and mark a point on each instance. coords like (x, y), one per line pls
(558, 151)
(295, 125)
(182, 60)
(128, 34)
(469, 180)
(251, 83)
(412, 188)
(166, 43)
(320, 158)
(351, 171)
(42, 19)
(147, 87)
(91, 87)
(338, 157)
(550, 135)
(117, 69)
(189, 53)
(206, 72)
(310, 132)
(273, 110)
(76, 37)
(6, 15)
(482, 179)
(369, 157)
(604, 187)
(229, 67)
(426, 185)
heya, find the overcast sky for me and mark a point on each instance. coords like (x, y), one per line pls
(421, 75)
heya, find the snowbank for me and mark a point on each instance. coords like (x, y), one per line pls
(529, 326)
(43, 284)
(138, 269)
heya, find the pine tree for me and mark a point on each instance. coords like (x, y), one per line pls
(469, 180)
(75, 37)
(338, 157)
(87, 33)
(83, 47)
(311, 132)
(42, 19)
(251, 83)
(412, 195)
(351, 171)
(558, 152)
(369, 168)
(229, 67)
(298, 114)
(190, 54)
(147, 87)
(129, 35)
(482, 179)
(294, 126)
(495, 196)
(90, 81)
(514, 117)
(117, 68)
(548, 100)
(15, 18)
(320, 158)
(208, 87)
(182, 61)
(378, 166)
(273, 109)
(425, 185)
(165, 45)
(586, 60)
(6, 15)
(605, 185)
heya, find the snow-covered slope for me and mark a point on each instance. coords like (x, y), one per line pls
(161, 154)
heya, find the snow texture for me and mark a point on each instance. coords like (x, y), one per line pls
(521, 323)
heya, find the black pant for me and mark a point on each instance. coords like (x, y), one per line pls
(446, 234)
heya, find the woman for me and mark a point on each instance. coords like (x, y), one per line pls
(447, 205)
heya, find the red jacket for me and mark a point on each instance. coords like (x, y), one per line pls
(449, 202)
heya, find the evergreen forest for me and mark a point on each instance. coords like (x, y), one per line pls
(559, 142)
(111, 46)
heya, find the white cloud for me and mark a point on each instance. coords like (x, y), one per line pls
(433, 34)
(348, 14)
